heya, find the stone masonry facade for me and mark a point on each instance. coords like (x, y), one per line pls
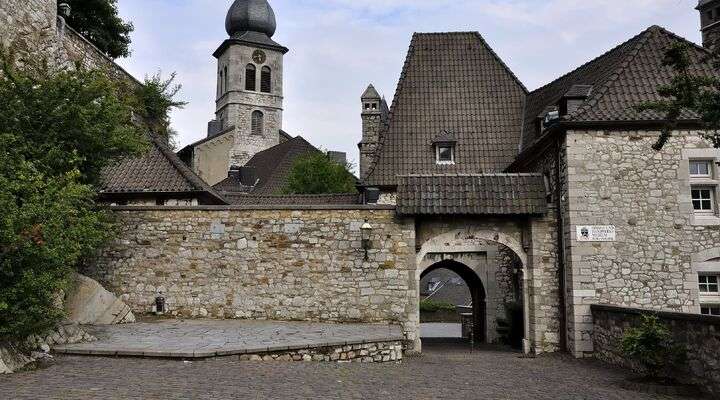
(34, 31)
(377, 352)
(302, 264)
(616, 178)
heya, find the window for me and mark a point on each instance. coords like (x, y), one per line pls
(220, 82)
(710, 309)
(225, 82)
(709, 284)
(265, 80)
(257, 124)
(703, 199)
(367, 106)
(250, 77)
(700, 169)
(445, 154)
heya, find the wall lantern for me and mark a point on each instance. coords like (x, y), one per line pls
(366, 230)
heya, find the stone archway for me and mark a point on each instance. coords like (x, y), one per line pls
(451, 245)
(477, 293)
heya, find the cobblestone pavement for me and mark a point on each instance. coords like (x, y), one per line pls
(185, 338)
(443, 372)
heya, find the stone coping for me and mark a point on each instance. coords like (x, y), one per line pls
(217, 338)
(670, 315)
(121, 352)
(352, 207)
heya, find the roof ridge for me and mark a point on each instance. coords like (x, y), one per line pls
(386, 125)
(598, 94)
(607, 53)
(183, 170)
(502, 63)
(642, 40)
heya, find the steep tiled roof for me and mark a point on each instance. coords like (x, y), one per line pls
(272, 167)
(157, 171)
(293, 200)
(621, 79)
(450, 82)
(482, 194)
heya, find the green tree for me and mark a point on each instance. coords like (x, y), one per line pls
(155, 101)
(687, 92)
(99, 22)
(57, 131)
(67, 120)
(317, 173)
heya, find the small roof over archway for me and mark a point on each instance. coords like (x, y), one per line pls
(472, 194)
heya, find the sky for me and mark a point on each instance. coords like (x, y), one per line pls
(338, 47)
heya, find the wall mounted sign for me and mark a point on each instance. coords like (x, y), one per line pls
(596, 233)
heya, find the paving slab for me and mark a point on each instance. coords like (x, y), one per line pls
(209, 338)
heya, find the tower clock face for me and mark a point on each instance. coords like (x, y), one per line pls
(259, 56)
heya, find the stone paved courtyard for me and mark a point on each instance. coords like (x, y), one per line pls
(443, 372)
(209, 338)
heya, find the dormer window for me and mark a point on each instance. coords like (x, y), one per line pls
(445, 153)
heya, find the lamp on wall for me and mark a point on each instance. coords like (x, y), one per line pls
(366, 230)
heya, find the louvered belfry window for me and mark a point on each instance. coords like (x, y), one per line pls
(250, 77)
(265, 80)
(257, 124)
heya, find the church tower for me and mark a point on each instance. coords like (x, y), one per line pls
(709, 22)
(250, 80)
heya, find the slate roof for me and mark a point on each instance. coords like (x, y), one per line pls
(272, 167)
(621, 79)
(293, 200)
(477, 194)
(158, 171)
(453, 82)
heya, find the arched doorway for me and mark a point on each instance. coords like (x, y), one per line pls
(477, 293)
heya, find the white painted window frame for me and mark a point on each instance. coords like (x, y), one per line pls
(688, 182)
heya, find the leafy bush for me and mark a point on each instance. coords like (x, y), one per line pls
(317, 173)
(652, 346)
(57, 131)
(99, 22)
(429, 305)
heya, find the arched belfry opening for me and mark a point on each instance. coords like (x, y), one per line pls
(477, 294)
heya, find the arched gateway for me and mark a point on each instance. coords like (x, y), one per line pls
(501, 243)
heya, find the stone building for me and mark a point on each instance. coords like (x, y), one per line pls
(249, 101)
(600, 217)
(552, 198)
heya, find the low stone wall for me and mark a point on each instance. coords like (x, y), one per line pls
(304, 264)
(699, 333)
(379, 352)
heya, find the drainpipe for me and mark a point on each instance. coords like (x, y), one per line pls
(526, 343)
(561, 245)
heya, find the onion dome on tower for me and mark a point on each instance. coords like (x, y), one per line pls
(251, 22)
(250, 16)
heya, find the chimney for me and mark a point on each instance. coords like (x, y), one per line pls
(338, 156)
(248, 177)
(234, 173)
(709, 22)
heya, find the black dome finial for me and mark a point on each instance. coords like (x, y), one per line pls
(252, 16)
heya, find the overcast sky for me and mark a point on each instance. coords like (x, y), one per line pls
(338, 47)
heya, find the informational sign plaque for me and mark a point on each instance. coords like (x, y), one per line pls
(596, 233)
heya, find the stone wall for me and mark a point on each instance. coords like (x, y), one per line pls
(32, 28)
(531, 240)
(700, 334)
(261, 263)
(375, 352)
(615, 178)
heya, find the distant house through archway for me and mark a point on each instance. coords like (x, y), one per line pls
(476, 304)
